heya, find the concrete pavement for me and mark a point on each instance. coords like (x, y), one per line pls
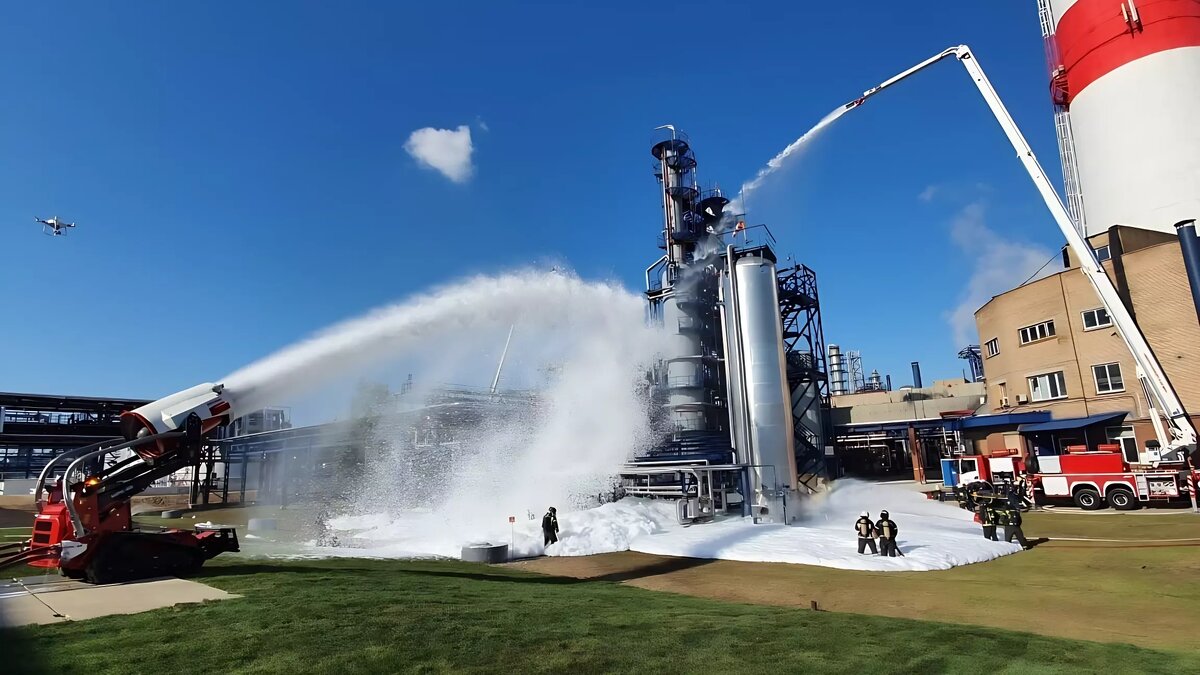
(51, 598)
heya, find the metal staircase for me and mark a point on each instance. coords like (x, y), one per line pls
(804, 347)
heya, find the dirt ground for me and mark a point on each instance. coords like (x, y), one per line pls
(16, 517)
(1138, 591)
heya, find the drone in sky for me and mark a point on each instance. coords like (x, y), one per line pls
(54, 227)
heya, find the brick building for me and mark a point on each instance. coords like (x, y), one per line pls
(1050, 345)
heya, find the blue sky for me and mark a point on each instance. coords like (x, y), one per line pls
(240, 176)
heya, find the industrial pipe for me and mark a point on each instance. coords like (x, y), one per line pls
(1190, 246)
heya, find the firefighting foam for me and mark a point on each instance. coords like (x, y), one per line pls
(932, 535)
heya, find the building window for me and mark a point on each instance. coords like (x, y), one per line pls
(1124, 437)
(1108, 378)
(1002, 393)
(993, 347)
(1038, 331)
(1102, 253)
(1047, 387)
(1096, 318)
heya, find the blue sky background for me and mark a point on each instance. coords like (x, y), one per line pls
(239, 173)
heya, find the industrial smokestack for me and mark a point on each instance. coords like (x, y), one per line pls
(1190, 246)
(838, 382)
(916, 366)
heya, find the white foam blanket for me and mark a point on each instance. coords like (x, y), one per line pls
(933, 536)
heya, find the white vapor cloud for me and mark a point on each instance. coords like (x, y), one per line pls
(928, 193)
(998, 263)
(447, 151)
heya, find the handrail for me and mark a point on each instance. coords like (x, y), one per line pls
(76, 465)
(41, 482)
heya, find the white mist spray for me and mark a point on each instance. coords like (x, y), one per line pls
(538, 301)
(564, 451)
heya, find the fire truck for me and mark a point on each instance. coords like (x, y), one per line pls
(1093, 479)
(1090, 480)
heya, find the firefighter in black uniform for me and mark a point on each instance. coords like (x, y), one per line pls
(866, 534)
(887, 535)
(1010, 518)
(550, 527)
(987, 517)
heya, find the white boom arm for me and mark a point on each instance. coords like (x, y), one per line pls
(1178, 435)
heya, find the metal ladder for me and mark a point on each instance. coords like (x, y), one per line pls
(1062, 126)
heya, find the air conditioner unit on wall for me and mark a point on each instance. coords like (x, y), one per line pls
(1022, 399)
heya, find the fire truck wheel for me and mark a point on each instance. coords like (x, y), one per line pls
(1088, 499)
(1121, 499)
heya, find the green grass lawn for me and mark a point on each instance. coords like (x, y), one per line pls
(14, 533)
(349, 616)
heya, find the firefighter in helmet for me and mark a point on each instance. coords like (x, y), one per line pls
(550, 526)
(887, 535)
(866, 533)
(1010, 519)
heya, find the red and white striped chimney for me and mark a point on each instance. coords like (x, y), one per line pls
(1130, 78)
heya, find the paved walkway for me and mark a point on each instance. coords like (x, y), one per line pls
(53, 599)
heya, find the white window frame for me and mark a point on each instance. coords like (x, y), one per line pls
(1108, 374)
(1118, 435)
(992, 347)
(1107, 253)
(1046, 327)
(1062, 386)
(1096, 314)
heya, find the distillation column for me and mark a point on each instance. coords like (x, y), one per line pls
(686, 314)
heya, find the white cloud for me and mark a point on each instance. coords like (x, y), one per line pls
(999, 265)
(928, 193)
(447, 151)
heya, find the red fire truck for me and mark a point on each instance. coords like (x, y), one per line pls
(1093, 479)
(1089, 479)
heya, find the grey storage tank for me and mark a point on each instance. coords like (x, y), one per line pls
(766, 399)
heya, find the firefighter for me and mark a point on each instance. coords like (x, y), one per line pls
(866, 534)
(986, 517)
(550, 527)
(1012, 526)
(887, 535)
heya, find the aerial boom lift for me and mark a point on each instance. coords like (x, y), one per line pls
(1176, 435)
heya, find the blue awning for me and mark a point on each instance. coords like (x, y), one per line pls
(1070, 423)
(1004, 419)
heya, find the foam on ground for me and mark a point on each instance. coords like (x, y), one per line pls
(933, 535)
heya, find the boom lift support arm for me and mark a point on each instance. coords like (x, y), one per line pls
(1178, 434)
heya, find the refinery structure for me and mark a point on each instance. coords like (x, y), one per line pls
(742, 391)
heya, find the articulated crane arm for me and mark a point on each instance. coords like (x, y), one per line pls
(1178, 435)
